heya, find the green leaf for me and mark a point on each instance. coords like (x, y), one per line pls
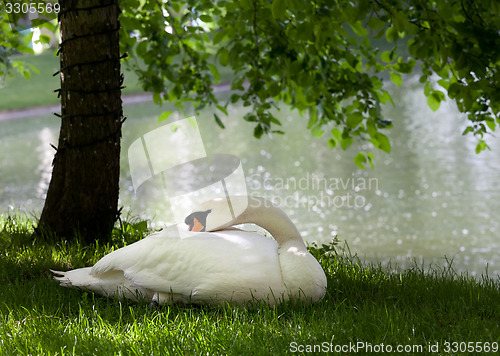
(33, 68)
(313, 117)
(384, 96)
(278, 9)
(385, 123)
(354, 119)
(258, 131)
(175, 93)
(396, 79)
(337, 134)
(165, 115)
(250, 117)
(157, 98)
(221, 108)
(274, 89)
(24, 49)
(205, 18)
(317, 131)
(219, 36)
(481, 146)
(491, 124)
(405, 67)
(246, 4)
(219, 121)
(495, 7)
(454, 89)
(444, 83)
(275, 121)
(224, 56)
(358, 29)
(388, 56)
(294, 5)
(142, 49)
(433, 101)
(332, 143)
(375, 23)
(45, 39)
(346, 142)
(360, 160)
(382, 142)
(391, 34)
(428, 89)
(370, 158)
(401, 22)
(215, 72)
(467, 130)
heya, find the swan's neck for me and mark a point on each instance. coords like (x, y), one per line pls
(265, 214)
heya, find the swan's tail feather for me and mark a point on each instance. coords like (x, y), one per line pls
(77, 278)
(61, 278)
(110, 284)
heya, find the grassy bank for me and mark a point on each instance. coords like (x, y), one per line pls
(365, 307)
(17, 92)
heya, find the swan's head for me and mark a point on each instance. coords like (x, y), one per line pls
(197, 221)
(217, 213)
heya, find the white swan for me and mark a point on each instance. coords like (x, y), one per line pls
(220, 265)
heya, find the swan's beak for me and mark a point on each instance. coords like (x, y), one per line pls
(196, 226)
(197, 220)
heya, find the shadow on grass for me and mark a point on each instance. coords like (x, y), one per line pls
(363, 302)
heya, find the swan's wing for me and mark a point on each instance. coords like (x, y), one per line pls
(136, 253)
(201, 265)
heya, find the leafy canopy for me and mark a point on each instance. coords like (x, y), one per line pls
(17, 18)
(12, 43)
(324, 57)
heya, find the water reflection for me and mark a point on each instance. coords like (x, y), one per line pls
(431, 197)
(25, 162)
(45, 157)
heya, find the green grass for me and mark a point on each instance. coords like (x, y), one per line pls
(17, 92)
(363, 304)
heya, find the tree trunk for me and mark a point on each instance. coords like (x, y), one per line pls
(83, 192)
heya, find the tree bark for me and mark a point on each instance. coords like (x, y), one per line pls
(83, 193)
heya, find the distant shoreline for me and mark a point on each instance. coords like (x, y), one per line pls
(128, 99)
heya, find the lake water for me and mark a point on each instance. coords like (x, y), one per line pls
(432, 200)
